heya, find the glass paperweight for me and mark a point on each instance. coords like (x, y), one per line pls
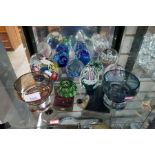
(64, 94)
(34, 89)
(100, 43)
(89, 79)
(119, 86)
(82, 52)
(81, 36)
(83, 56)
(108, 56)
(61, 59)
(61, 48)
(35, 62)
(74, 68)
(97, 65)
(50, 68)
(53, 39)
(67, 88)
(68, 41)
(80, 46)
(44, 49)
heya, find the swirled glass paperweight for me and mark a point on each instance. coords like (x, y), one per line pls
(61, 59)
(62, 55)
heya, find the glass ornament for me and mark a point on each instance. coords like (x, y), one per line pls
(44, 49)
(53, 39)
(89, 79)
(74, 68)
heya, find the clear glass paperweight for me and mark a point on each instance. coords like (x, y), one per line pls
(74, 68)
(108, 56)
(44, 49)
(89, 79)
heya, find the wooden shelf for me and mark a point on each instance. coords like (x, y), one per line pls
(10, 37)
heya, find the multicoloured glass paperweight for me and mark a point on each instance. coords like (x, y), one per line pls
(89, 79)
(119, 86)
(64, 96)
(50, 68)
(35, 62)
(74, 68)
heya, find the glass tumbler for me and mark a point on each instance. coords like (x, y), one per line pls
(119, 86)
(34, 89)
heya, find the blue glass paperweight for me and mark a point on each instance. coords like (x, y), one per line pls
(74, 68)
(53, 43)
(80, 46)
(83, 56)
(61, 59)
(62, 48)
(53, 39)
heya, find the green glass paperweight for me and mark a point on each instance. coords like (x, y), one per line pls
(67, 88)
